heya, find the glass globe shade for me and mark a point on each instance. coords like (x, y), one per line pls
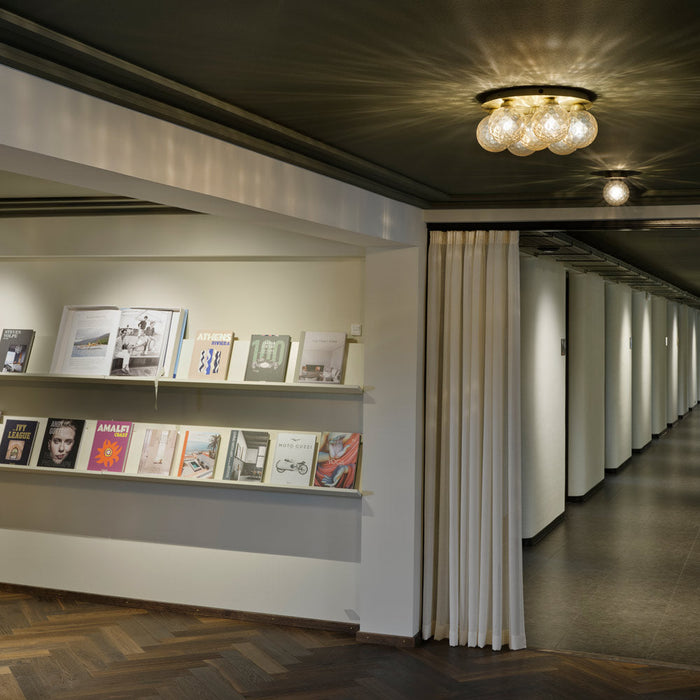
(561, 148)
(506, 125)
(550, 122)
(583, 128)
(616, 192)
(483, 136)
(529, 139)
(520, 149)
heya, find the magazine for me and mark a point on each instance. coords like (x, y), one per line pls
(267, 358)
(199, 452)
(15, 346)
(110, 446)
(158, 451)
(211, 355)
(245, 458)
(293, 460)
(321, 357)
(336, 464)
(17, 440)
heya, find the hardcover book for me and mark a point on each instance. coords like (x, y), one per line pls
(211, 355)
(15, 346)
(199, 452)
(17, 440)
(141, 342)
(336, 464)
(245, 458)
(321, 357)
(61, 442)
(293, 460)
(267, 358)
(158, 451)
(86, 340)
(110, 446)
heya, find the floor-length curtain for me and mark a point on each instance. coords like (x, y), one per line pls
(472, 568)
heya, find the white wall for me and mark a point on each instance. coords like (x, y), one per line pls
(586, 400)
(52, 132)
(543, 325)
(659, 365)
(618, 375)
(672, 363)
(641, 369)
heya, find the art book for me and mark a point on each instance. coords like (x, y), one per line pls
(321, 357)
(199, 452)
(293, 460)
(110, 446)
(336, 464)
(158, 451)
(15, 346)
(17, 440)
(245, 458)
(61, 442)
(267, 358)
(86, 340)
(141, 342)
(211, 355)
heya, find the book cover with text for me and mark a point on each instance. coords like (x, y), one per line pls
(199, 452)
(293, 459)
(110, 446)
(61, 442)
(211, 355)
(15, 346)
(267, 358)
(321, 357)
(245, 458)
(17, 440)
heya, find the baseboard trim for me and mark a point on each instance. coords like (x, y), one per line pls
(656, 436)
(532, 541)
(617, 470)
(588, 494)
(638, 450)
(390, 640)
(258, 618)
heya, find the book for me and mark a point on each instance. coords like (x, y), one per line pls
(245, 457)
(15, 346)
(141, 342)
(110, 446)
(294, 457)
(336, 463)
(86, 340)
(321, 357)
(211, 355)
(267, 358)
(158, 451)
(199, 452)
(61, 442)
(17, 441)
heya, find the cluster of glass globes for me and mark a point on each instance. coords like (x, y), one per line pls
(526, 128)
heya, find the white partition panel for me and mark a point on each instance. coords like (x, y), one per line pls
(618, 375)
(682, 398)
(672, 363)
(692, 357)
(659, 361)
(543, 326)
(586, 398)
(641, 369)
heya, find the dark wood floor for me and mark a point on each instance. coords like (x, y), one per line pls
(61, 648)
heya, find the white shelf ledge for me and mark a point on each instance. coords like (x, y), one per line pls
(179, 481)
(167, 382)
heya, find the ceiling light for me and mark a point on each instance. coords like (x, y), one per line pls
(616, 190)
(533, 117)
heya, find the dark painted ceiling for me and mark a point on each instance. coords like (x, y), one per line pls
(381, 93)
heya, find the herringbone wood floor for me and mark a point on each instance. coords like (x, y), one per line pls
(56, 647)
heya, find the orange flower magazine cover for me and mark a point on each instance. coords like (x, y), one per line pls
(110, 446)
(336, 464)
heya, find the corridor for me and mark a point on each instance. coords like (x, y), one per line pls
(621, 575)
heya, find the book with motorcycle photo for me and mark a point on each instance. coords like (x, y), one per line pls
(293, 459)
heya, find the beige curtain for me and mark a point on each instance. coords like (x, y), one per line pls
(472, 575)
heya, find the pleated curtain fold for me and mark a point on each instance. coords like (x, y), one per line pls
(472, 573)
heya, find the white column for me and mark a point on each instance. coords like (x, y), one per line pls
(586, 397)
(618, 375)
(641, 369)
(682, 399)
(543, 326)
(672, 364)
(692, 357)
(659, 370)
